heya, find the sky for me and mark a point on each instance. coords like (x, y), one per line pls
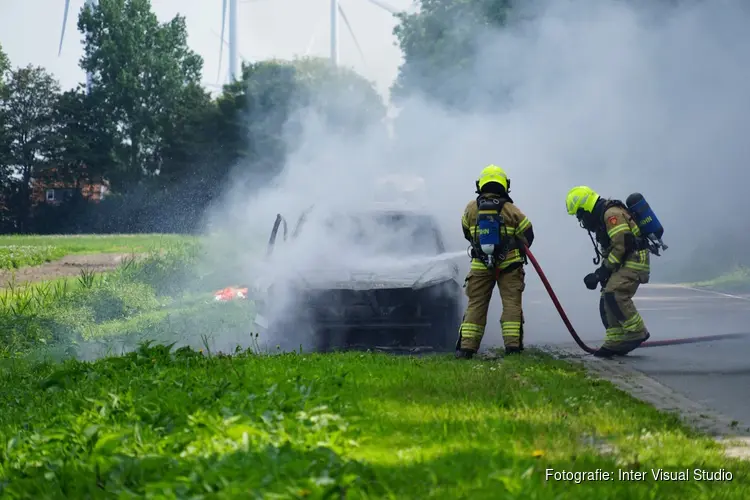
(30, 34)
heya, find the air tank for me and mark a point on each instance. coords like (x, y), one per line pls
(489, 221)
(646, 218)
(489, 232)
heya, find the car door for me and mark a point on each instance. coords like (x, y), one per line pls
(280, 220)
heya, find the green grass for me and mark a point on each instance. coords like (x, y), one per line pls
(157, 424)
(736, 280)
(67, 311)
(22, 250)
(105, 243)
(14, 289)
(175, 423)
(15, 256)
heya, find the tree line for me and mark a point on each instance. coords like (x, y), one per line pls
(165, 145)
(168, 147)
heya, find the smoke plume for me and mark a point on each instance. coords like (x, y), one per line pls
(619, 96)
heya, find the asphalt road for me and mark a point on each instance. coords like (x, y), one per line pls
(715, 373)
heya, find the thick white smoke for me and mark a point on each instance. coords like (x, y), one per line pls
(603, 93)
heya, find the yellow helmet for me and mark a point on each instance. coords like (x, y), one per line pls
(581, 197)
(492, 173)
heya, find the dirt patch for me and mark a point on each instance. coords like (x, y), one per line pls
(70, 265)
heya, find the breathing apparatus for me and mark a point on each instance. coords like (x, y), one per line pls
(647, 222)
(491, 230)
(588, 208)
(588, 222)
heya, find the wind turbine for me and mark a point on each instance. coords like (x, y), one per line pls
(335, 11)
(349, 28)
(233, 10)
(242, 58)
(91, 4)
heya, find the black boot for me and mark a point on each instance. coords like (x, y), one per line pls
(513, 350)
(465, 353)
(630, 346)
(603, 352)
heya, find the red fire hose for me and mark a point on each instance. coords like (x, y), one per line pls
(590, 350)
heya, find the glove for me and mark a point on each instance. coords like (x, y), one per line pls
(591, 280)
(603, 274)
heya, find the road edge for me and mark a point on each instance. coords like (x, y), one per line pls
(648, 390)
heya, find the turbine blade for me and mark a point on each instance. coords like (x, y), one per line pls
(221, 46)
(314, 35)
(65, 21)
(310, 44)
(385, 6)
(351, 32)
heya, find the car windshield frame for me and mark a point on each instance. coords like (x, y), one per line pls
(424, 225)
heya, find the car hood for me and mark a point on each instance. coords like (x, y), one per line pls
(412, 276)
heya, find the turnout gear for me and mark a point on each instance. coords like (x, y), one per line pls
(495, 228)
(625, 266)
(602, 274)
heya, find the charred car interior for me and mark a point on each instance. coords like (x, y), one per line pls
(412, 304)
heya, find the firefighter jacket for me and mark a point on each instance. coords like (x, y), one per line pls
(518, 229)
(621, 240)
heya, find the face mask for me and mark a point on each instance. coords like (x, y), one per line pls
(586, 220)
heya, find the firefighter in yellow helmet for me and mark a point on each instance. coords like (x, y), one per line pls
(625, 266)
(495, 228)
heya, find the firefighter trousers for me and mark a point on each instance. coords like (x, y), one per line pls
(479, 285)
(623, 324)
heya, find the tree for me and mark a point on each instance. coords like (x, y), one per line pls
(4, 63)
(84, 139)
(253, 113)
(348, 101)
(440, 42)
(148, 126)
(439, 46)
(141, 70)
(188, 139)
(27, 104)
(5, 179)
(260, 115)
(4, 150)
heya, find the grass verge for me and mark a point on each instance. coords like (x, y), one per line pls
(737, 280)
(21, 250)
(66, 312)
(179, 424)
(15, 256)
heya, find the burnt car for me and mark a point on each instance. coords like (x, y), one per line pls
(401, 296)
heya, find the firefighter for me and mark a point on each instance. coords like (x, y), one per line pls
(625, 266)
(503, 265)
